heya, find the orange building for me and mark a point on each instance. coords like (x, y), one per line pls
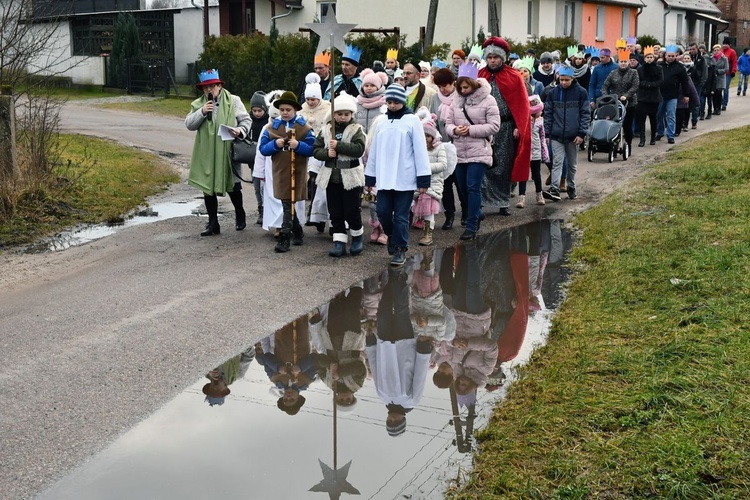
(604, 21)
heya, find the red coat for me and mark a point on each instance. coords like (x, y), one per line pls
(513, 88)
(731, 56)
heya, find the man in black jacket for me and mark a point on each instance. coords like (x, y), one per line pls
(675, 76)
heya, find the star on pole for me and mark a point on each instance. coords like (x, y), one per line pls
(330, 27)
(334, 481)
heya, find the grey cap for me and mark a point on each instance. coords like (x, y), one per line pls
(546, 57)
(258, 100)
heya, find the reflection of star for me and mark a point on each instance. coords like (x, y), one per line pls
(331, 27)
(334, 481)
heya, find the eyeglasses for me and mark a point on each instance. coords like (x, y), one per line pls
(408, 72)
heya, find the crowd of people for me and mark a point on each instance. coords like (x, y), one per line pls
(411, 141)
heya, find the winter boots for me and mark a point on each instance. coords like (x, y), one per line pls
(239, 211)
(212, 209)
(448, 224)
(357, 241)
(427, 238)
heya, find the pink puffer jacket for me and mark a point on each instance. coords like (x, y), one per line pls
(482, 109)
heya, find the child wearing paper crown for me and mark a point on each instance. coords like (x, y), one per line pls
(343, 175)
(426, 205)
(539, 152)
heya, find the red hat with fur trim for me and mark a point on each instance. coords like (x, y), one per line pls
(496, 45)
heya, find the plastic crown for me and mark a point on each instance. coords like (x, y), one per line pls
(353, 52)
(323, 58)
(620, 43)
(623, 54)
(672, 48)
(649, 49)
(572, 50)
(528, 63)
(392, 54)
(631, 40)
(468, 69)
(476, 52)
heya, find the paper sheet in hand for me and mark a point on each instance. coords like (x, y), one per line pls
(225, 133)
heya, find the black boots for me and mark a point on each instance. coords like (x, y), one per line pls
(291, 230)
(642, 142)
(212, 209)
(259, 220)
(282, 245)
(239, 211)
(448, 224)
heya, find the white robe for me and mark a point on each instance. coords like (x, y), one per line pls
(273, 213)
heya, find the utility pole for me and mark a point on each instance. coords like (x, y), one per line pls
(429, 34)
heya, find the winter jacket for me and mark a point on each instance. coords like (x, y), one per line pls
(622, 83)
(721, 68)
(438, 164)
(692, 94)
(346, 168)
(343, 84)
(650, 78)
(482, 109)
(598, 75)
(700, 71)
(731, 56)
(366, 116)
(541, 77)
(743, 64)
(710, 84)
(675, 76)
(567, 113)
(536, 86)
(316, 117)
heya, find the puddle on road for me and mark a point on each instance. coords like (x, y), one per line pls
(418, 358)
(81, 236)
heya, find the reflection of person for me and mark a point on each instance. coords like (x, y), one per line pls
(290, 364)
(399, 361)
(210, 165)
(430, 317)
(225, 374)
(337, 331)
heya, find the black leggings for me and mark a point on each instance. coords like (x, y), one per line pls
(647, 110)
(536, 175)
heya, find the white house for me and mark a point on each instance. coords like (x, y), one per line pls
(681, 21)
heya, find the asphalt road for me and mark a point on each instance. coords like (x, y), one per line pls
(96, 337)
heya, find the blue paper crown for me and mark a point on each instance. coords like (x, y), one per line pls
(353, 52)
(565, 70)
(672, 48)
(513, 55)
(437, 63)
(209, 75)
(592, 51)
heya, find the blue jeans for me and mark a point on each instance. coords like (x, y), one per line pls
(727, 89)
(469, 178)
(665, 117)
(742, 83)
(393, 213)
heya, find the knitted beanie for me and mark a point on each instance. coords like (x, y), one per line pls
(376, 78)
(312, 87)
(395, 93)
(344, 102)
(258, 100)
(546, 57)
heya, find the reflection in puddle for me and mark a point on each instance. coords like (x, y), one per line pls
(81, 236)
(376, 393)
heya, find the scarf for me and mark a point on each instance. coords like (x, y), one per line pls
(547, 73)
(445, 103)
(374, 100)
(579, 71)
(718, 56)
(513, 89)
(396, 115)
(210, 168)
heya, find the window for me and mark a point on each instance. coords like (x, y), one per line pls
(680, 22)
(324, 8)
(532, 19)
(568, 17)
(625, 23)
(600, 13)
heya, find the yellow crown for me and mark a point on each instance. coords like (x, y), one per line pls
(391, 54)
(323, 58)
(623, 54)
(621, 43)
(648, 50)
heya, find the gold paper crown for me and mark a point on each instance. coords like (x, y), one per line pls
(648, 50)
(323, 58)
(391, 54)
(623, 54)
(621, 43)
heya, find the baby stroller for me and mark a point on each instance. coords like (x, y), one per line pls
(605, 133)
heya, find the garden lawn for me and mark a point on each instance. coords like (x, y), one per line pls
(643, 389)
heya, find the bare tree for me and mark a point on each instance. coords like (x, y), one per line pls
(30, 50)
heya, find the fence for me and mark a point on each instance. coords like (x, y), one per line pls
(152, 76)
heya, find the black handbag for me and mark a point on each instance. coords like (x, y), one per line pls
(243, 151)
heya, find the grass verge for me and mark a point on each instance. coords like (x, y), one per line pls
(98, 181)
(644, 387)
